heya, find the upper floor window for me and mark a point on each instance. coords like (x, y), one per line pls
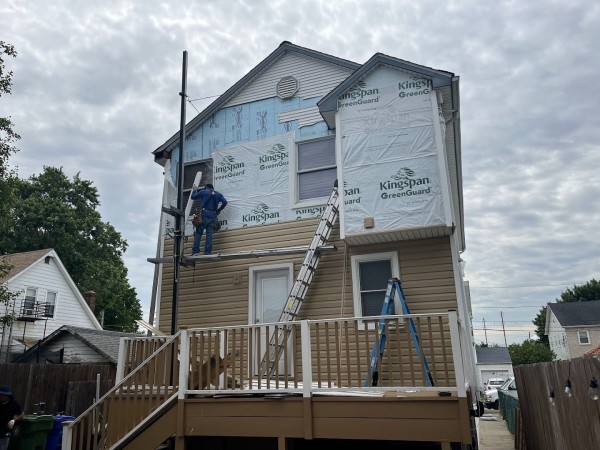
(29, 302)
(315, 169)
(50, 304)
(584, 338)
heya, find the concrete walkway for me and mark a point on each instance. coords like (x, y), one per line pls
(493, 433)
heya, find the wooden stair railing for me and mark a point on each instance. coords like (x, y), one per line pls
(135, 400)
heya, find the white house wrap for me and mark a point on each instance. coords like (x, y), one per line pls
(391, 154)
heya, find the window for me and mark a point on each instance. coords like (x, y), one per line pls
(315, 168)
(50, 304)
(370, 276)
(29, 303)
(584, 338)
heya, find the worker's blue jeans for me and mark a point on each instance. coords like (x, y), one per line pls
(208, 224)
(4, 443)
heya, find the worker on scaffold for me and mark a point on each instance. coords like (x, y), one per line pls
(211, 204)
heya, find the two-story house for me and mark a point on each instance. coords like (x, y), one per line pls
(246, 368)
(573, 328)
(47, 299)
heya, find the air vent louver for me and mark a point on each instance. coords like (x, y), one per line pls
(287, 87)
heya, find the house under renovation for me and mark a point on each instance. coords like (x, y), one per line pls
(333, 311)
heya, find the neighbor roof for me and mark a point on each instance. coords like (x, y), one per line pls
(104, 342)
(21, 261)
(493, 355)
(575, 314)
(593, 352)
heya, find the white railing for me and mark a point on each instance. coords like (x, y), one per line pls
(325, 356)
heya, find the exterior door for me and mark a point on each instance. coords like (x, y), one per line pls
(271, 288)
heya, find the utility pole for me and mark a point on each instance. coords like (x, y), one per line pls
(485, 331)
(179, 225)
(503, 330)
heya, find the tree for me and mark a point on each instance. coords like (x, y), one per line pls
(530, 352)
(7, 134)
(6, 296)
(586, 292)
(7, 138)
(53, 211)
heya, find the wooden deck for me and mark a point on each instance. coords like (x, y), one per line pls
(209, 382)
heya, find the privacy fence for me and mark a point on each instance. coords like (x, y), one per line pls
(68, 388)
(553, 418)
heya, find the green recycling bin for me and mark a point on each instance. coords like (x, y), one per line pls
(30, 432)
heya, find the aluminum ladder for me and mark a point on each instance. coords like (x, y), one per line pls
(379, 346)
(305, 275)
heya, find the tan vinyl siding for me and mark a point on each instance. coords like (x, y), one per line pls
(316, 78)
(210, 297)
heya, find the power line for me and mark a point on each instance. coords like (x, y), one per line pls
(204, 98)
(190, 102)
(526, 286)
(509, 307)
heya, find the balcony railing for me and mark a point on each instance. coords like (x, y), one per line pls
(30, 311)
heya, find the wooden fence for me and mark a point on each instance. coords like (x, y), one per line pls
(49, 383)
(566, 422)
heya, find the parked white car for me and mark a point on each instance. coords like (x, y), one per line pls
(491, 395)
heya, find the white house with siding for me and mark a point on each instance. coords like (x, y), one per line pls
(47, 299)
(573, 328)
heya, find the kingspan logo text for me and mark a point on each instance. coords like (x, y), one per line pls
(404, 181)
(359, 95)
(260, 214)
(276, 157)
(413, 87)
(228, 167)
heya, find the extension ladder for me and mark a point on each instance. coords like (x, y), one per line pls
(379, 346)
(303, 280)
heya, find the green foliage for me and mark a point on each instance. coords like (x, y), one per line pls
(53, 211)
(6, 297)
(530, 352)
(7, 135)
(586, 292)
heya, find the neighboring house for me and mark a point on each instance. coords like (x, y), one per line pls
(274, 143)
(47, 299)
(573, 328)
(75, 345)
(493, 362)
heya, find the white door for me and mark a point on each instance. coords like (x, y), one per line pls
(271, 288)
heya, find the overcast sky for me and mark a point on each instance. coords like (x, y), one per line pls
(96, 90)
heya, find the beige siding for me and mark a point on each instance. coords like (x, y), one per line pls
(216, 293)
(316, 78)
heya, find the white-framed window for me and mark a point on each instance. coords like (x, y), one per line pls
(584, 337)
(315, 170)
(370, 276)
(29, 302)
(50, 306)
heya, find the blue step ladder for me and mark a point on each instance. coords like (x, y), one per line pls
(379, 346)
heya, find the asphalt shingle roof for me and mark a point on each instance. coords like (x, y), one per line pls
(21, 261)
(573, 314)
(493, 355)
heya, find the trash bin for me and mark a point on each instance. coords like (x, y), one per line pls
(54, 441)
(31, 432)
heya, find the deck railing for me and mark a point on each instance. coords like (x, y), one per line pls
(325, 356)
(136, 398)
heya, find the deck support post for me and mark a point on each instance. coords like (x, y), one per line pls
(184, 362)
(306, 359)
(120, 361)
(459, 370)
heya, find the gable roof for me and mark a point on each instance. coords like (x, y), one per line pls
(576, 314)
(284, 47)
(328, 105)
(21, 261)
(25, 261)
(493, 355)
(593, 352)
(104, 342)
